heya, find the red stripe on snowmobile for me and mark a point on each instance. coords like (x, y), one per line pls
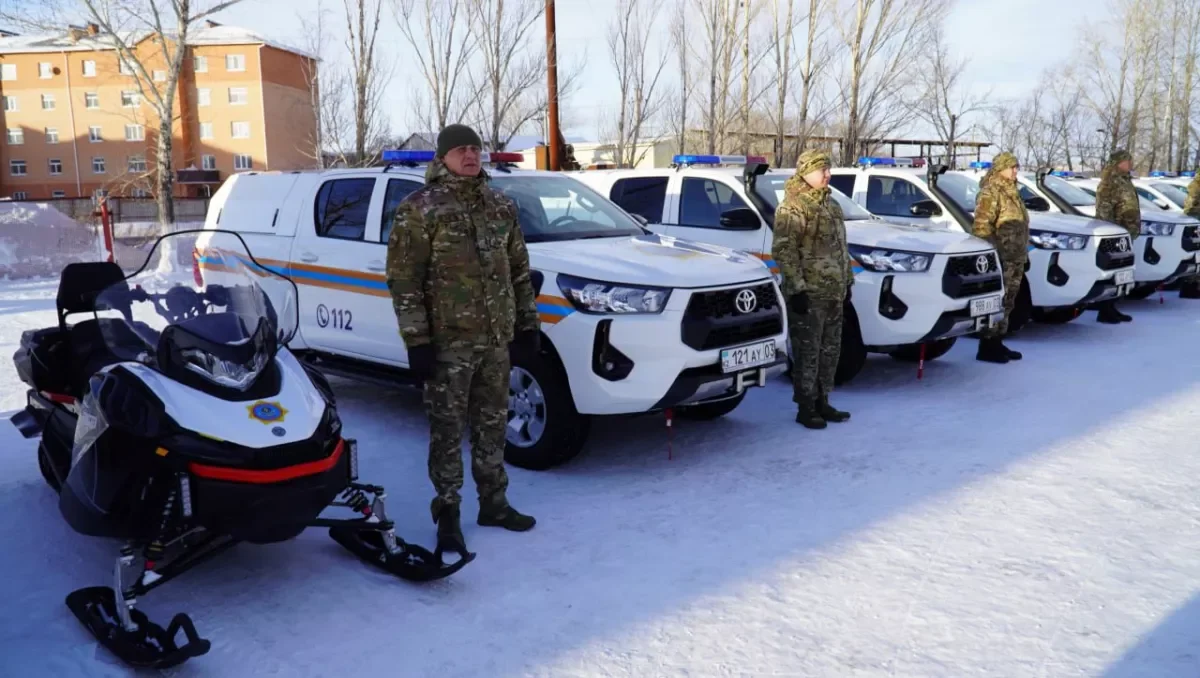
(277, 475)
(59, 398)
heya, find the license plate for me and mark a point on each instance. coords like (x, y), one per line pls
(986, 305)
(745, 357)
(1123, 277)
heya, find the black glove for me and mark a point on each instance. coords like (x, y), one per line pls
(798, 303)
(421, 360)
(530, 340)
(849, 292)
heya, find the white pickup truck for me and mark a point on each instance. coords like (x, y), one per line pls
(632, 321)
(913, 286)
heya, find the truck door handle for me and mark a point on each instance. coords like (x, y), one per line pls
(376, 266)
(308, 256)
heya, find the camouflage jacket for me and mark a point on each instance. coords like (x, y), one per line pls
(1117, 201)
(810, 242)
(1191, 206)
(457, 266)
(1001, 218)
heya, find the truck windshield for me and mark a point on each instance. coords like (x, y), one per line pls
(770, 188)
(1173, 193)
(1074, 195)
(554, 208)
(963, 190)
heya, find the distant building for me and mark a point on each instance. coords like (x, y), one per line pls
(76, 124)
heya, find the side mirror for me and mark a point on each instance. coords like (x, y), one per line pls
(1037, 204)
(740, 219)
(1162, 204)
(925, 208)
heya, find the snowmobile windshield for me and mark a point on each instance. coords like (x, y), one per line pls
(200, 307)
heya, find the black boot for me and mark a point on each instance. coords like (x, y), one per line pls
(449, 532)
(828, 413)
(505, 516)
(991, 351)
(1107, 314)
(1012, 355)
(1190, 289)
(809, 417)
(1119, 315)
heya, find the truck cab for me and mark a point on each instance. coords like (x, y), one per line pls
(1166, 251)
(631, 321)
(1073, 262)
(916, 289)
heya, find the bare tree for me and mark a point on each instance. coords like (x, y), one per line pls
(1191, 57)
(782, 38)
(816, 58)
(367, 77)
(332, 134)
(438, 31)
(679, 42)
(509, 72)
(637, 75)
(944, 99)
(880, 37)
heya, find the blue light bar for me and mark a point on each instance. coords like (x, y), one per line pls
(876, 161)
(1062, 173)
(1158, 173)
(1188, 173)
(981, 164)
(409, 156)
(691, 159)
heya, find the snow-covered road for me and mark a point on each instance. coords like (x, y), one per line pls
(1036, 519)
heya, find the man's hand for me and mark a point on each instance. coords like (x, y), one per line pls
(530, 340)
(421, 360)
(798, 303)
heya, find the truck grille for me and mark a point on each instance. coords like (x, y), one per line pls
(966, 276)
(714, 320)
(1114, 252)
(1191, 238)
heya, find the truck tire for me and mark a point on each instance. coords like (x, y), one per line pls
(552, 432)
(710, 411)
(854, 354)
(911, 353)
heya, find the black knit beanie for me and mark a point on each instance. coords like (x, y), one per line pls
(454, 136)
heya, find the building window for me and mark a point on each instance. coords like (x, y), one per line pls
(137, 163)
(10, 103)
(55, 166)
(91, 100)
(160, 76)
(16, 136)
(240, 130)
(94, 134)
(52, 135)
(140, 193)
(237, 96)
(47, 102)
(200, 64)
(235, 62)
(241, 161)
(126, 69)
(8, 71)
(45, 70)
(89, 69)
(16, 167)
(98, 165)
(206, 130)
(135, 133)
(130, 99)
(20, 195)
(208, 162)
(58, 194)
(203, 97)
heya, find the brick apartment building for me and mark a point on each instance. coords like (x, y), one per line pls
(75, 124)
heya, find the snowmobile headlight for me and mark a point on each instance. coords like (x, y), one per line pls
(890, 261)
(1157, 228)
(1052, 240)
(593, 296)
(224, 372)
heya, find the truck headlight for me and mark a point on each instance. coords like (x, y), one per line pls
(594, 296)
(895, 261)
(1052, 240)
(1157, 228)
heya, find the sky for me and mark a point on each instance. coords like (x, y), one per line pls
(1008, 42)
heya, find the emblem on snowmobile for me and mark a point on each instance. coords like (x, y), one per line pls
(266, 412)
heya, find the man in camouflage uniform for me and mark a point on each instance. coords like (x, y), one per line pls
(458, 273)
(1191, 207)
(1002, 220)
(1117, 203)
(810, 249)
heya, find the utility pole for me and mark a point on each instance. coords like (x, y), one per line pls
(552, 83)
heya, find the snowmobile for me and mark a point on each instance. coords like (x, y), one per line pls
(176, 421)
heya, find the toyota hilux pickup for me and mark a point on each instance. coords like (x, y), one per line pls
(916, 290)
(632, 321)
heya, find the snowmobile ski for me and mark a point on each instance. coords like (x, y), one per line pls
(409, 561)
(146, 644)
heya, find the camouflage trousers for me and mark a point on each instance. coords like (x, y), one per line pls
(816, 348)
(1014, 272)
(468, 389)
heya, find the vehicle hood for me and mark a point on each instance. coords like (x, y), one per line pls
(1075, 225)
(1166, 217)
(912, 238)
(649, 259)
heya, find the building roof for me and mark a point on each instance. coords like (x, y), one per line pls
(76, 39)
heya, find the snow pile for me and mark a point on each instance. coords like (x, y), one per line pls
(37, 240)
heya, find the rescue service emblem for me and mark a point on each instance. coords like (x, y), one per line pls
(267, 412)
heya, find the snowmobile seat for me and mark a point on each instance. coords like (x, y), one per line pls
(78, 287)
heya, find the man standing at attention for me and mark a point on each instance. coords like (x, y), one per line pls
(810, 249)
(1002, 220)
(458, 273)
(1190, 289)
(1117, 203)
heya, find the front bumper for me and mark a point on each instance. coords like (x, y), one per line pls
(698, 384)
(1067, 278)
(1161, 260)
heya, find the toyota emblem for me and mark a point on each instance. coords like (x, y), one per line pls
(745, 301)
(1123, 245)
(981, 263)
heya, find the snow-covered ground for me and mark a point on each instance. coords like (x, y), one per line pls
(1036, 519)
